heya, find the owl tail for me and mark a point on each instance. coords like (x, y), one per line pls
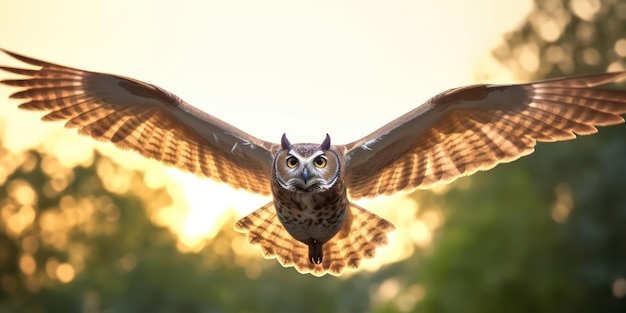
(360, 235)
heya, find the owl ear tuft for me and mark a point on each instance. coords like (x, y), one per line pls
(285, 142)
(326, 143)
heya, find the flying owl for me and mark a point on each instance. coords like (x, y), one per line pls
(311, 222)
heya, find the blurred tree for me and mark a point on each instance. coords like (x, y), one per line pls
(543, 234)
(546, 233)
(72, 240)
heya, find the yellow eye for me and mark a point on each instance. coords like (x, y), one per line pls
(292, 162)
(319, 162)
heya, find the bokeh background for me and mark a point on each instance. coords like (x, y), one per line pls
(87, 228)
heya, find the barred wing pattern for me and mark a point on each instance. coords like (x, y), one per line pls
(361, 234)
(456, 133)
(145, 118)
(467, 129)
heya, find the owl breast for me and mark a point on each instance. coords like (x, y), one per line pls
(308, 216)
(311, 217)
(309, 193)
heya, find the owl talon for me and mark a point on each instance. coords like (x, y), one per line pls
(315, 251)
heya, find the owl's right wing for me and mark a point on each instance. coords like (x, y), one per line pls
(468, 129)
(145, 118)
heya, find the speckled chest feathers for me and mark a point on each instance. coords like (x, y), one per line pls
(309, 193)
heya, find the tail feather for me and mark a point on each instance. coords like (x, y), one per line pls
(361, 234)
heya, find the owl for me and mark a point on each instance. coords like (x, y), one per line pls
(311, 222)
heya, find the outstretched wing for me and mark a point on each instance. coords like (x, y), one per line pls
(468, 129)
(145, 118)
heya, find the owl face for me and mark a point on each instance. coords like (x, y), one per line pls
(306, 167)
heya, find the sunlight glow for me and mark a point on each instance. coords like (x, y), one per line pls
(207, 209)
(27, 264)
(30, 244)
(127, 262)
(585, 9)
(65, 272)
(619, 288)
(52, 264)
(389, 289)
(620, 47)
(564, 203)
(357, 69)
(391, 292)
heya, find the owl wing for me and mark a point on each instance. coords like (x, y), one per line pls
(145, 118)
(468, 129)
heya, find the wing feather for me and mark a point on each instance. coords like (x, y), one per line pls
(360, 235)
(467, 129)
(144, 118)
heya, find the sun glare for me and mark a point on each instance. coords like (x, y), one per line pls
(365, 71)
(210, 206)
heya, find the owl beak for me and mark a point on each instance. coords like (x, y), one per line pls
(305, 174)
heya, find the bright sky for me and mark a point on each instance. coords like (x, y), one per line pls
(304, 68)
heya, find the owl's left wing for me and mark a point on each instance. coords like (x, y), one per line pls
(468, 129)
(145, 118)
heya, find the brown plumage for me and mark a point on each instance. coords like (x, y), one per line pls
(311, 223)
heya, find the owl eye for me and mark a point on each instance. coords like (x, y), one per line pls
(319, 162)
(292, 162)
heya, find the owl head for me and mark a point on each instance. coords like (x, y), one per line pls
(307, 167)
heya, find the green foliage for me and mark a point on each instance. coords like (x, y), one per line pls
(130, 265)
(543, 234)
(501, 249)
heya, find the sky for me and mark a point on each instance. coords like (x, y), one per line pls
(304, 68)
